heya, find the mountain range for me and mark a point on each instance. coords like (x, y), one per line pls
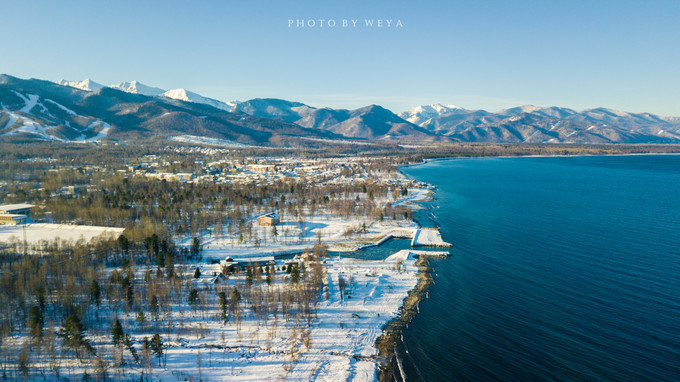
(131, 111)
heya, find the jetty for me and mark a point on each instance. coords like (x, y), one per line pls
(406, 254)
(428, 237)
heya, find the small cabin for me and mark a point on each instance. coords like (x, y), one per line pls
(268, 220)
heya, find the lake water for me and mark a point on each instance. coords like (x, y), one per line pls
(562, 269)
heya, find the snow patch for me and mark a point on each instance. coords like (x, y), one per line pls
(29, 102)
(64, 108)
(28, 125)
(103, 133)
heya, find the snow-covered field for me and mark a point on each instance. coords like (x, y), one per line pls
(414, 195)
(343, 338)
(340, 343)
(36, 232)
(293, 237)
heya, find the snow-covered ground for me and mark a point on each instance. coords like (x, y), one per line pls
(293, 237)
(341, 339)
(344, 336)
(414, 195)
(337, 344)
(105, 127)
(35, 232)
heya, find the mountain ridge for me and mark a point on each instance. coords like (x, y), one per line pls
(88, 111)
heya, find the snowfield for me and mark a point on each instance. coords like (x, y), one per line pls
(341, 338)
(36, 232)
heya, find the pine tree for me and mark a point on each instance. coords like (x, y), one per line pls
(95, 292)
(157, 347)
(123, 243)
(195, 246)
(193, 299)
(155, 308)
(249, 276)
(223, 304)
(140, 318)
(117, 332)
(35, 322)
(73, 335)
(294, 274)
(235, 295)
(127, 341)
(40, 296)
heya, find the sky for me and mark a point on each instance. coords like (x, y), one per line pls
(477, 54)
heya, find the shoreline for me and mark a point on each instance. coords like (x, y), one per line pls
(389, 365)
(387, 359)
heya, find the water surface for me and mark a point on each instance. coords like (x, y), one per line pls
(563, 269)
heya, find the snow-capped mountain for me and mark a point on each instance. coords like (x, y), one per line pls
(420, 114)
(36, 110)
(85, 111)
(534, 124)
(136, 87)
(187, 96)
(86, 84)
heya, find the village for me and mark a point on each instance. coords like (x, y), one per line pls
(273, 293)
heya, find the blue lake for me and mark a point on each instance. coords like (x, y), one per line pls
(562, 269)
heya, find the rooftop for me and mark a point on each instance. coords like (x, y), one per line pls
(12, 207)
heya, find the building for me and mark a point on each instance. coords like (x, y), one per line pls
(243, 264)
(18, 209)
(12, 219)
(268, 220)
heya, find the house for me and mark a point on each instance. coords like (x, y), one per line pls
(243, 264)
(12, 219)
(268, 220)
(71, 190)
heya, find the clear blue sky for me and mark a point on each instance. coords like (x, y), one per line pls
(486, 54)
